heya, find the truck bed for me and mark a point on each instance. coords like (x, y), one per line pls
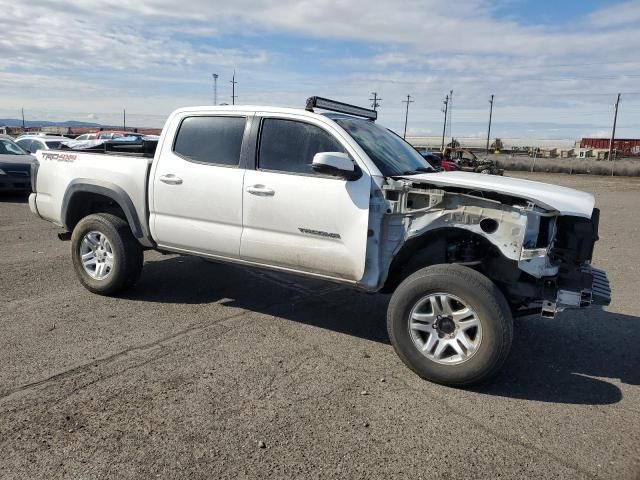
(144, 147)
(62, 173)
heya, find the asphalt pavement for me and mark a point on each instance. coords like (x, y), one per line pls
(207, 370)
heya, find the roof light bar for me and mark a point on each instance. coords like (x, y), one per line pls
(334, 106)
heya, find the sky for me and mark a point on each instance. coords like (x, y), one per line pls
(555, 67)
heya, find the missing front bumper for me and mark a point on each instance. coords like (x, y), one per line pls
(600, 288)
(598, 292)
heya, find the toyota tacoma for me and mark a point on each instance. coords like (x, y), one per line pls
(335, 196)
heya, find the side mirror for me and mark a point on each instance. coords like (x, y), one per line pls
(337, 164)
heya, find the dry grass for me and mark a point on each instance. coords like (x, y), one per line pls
(621, 168)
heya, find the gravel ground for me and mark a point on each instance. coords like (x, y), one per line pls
(212, 371)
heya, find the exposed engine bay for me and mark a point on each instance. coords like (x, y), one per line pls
(537, 256)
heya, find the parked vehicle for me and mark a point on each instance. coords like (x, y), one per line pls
(15, 166)
(468, 161)
(107, 135)
(335, 196)
(437, 160)
(87, 136)
(32, 144)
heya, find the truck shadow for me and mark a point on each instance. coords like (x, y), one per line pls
(552, 360)
(556, 360)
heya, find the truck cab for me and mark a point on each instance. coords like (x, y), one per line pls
(334, 195)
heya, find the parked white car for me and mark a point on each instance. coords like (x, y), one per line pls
(338, 197)
(32, 143)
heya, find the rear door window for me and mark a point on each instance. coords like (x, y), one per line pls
(214, 140)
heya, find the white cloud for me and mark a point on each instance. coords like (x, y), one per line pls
(68, 57)
(624, 14)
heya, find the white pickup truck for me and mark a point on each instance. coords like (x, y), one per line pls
(334, 195)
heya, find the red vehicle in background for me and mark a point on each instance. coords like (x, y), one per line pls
(438, 162)
(449, 166)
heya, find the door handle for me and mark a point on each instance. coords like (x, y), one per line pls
(170, 179)
(260, 190)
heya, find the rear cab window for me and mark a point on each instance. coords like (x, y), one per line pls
(215, 140)
(289, 145)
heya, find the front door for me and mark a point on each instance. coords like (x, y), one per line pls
(297, 219)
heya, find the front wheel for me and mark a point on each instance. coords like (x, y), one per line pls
(450, 324)
(106, 256)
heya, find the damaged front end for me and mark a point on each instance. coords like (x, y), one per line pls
(578, 283)
(540, 258)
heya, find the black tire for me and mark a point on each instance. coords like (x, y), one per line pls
(128, 256)
(480, 294)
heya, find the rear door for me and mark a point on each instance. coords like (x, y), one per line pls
(295, 218)
(196, 200)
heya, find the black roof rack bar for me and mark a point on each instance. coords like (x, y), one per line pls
(334, 106)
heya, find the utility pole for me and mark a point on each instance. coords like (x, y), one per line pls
(613, 132)
(406, 116)
(375, 101)
(215, 88)
(233, 88)
(23, 127)
(451, 116)
(489, 130)
(124, 119)
(444, 128)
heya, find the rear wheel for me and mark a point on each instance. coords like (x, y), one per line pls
(450, 324)
(106, 256)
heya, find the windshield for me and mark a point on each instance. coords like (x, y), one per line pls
(7, 147)
(391, 154)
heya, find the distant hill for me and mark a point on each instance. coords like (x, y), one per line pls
(16, 122)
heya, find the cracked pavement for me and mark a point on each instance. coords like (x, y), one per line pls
(188, 372)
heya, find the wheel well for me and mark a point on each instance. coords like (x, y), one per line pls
(82, 204)
(449, 245)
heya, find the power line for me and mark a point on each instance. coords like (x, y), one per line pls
(406, 116)
(375, 100)
(233, 88)
(451, 116)
(489, 129)
(444, 128)
(613, 131)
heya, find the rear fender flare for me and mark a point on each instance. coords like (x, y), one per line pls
(109, 190)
